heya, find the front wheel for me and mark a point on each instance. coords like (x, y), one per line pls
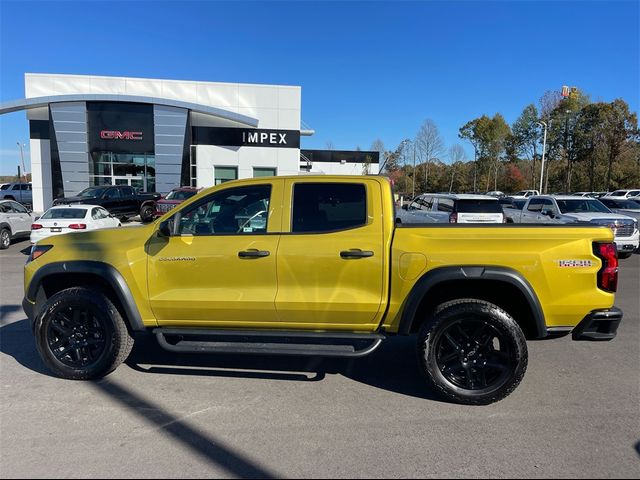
(472, 352)
(80, 334)
(146, 213)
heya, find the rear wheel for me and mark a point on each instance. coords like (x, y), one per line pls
(472, 352)
(80, 334)
(5, 238)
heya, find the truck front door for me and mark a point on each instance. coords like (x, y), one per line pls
(331, 258)
(219, 266)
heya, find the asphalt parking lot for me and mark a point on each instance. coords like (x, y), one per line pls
(576, 413)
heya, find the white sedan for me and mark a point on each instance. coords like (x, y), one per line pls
(71, 218)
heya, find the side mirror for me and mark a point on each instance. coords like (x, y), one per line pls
(547, 213)
(165, 229)
(405, 206)
(36, 218)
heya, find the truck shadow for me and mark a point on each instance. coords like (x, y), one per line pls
(393, 367)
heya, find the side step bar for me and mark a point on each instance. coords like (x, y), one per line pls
(275, 342)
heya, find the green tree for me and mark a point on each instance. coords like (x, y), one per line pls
(526, 137)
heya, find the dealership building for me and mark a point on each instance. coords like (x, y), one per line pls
(160, 134)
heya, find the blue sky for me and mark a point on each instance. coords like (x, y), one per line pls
(367, 70)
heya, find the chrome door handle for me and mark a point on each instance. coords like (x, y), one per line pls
(253, 253)
(356, 253)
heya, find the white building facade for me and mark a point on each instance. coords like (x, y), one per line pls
(160, 134)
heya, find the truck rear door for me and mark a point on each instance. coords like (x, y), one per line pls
(331, 255)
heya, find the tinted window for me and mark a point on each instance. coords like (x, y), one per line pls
(243, 210)
(111, 194)
(5, 208)
(91, 192)
(445, 205)
(325, 207)
(5, 187)
(625, 204)
(16, 187)
(127, 192)
(60, 213)
(582, 206)
(535, 205)
(478, 206)
(422, 203)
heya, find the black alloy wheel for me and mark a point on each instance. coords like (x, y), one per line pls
(81, 335)
(77, 336)
(474, 355)
(472, 352)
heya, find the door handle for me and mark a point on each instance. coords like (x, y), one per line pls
(253, 253)
(356, 253)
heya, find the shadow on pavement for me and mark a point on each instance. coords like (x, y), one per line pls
(393, 367)
(638, 448)
(207, 447)
(17, 341)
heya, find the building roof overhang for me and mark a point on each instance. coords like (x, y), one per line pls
(38, 102)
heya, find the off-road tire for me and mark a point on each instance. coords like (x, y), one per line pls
(450, 314)
(117, 342)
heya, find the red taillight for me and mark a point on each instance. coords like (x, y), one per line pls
(36, 226)
(78, 226)
(453, 218)
(608, 274)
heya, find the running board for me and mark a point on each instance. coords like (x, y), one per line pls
(279, 342)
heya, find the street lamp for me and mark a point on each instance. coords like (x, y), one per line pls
(24, 170)
(544, 148)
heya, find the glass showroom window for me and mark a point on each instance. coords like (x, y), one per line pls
(224, 174)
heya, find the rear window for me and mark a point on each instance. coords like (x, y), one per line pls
(64, 213)
(326, 207)
(478, 206)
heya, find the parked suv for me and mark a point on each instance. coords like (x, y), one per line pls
(452, 208)
(15, 222)
(20, 192)
(174, 198)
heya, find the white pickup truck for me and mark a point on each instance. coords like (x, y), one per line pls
(551, 210)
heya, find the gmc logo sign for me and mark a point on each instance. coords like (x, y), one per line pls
(116, 135)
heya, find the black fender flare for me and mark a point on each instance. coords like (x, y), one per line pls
(465, 273)
(106, 272)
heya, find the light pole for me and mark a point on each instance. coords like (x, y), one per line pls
(24, 170)
(544, 148)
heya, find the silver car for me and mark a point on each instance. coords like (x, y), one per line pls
(15, 222)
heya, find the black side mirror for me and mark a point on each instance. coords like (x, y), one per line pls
(405, 206)
(548, 213)
(166, 228)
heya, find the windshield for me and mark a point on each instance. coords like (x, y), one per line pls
(478, 206)
(582, 206)
(180, 194)
(92, 192)
(61, 213)
(5, 187)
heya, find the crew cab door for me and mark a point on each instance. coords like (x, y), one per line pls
(331, 256)
(219, 266)
(111, 201)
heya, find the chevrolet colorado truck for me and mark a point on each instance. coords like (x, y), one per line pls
(316, 265)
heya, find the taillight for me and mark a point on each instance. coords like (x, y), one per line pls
(78, 226)
(453, 217)
(608, 274)
(36, 226)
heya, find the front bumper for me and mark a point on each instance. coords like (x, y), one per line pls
(599, 325)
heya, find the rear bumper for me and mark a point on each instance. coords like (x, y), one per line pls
(599, 325)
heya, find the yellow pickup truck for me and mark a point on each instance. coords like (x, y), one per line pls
(315, 265)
